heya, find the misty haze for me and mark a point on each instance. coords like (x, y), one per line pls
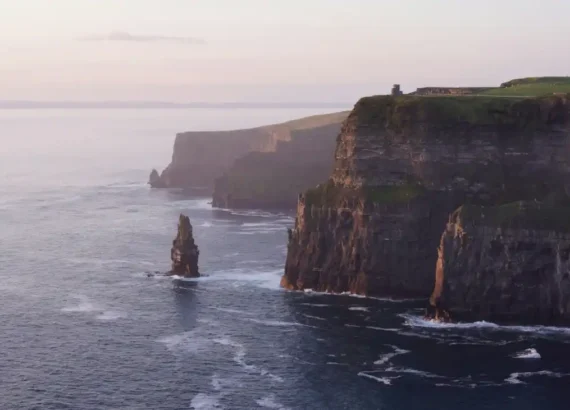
(325, 204)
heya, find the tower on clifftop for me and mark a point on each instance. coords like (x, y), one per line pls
(396, 90)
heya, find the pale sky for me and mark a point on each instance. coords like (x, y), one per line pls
(271, 50)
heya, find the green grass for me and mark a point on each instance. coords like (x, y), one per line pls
(531, 87)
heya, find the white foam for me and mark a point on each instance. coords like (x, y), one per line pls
(110, 315)
(314, 317)
(193, 342)
(276, 323)
(337, 364)
(385, 358)
(384, 380)
(528, 354)
(355, 295)
(358, 309)
(417, 321)
(269, 402)
(413, 371)
(205, 402)
(84, 305)
(514, 378)
(316, 304)
(206, 225)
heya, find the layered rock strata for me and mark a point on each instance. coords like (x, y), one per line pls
(505, 263)
(402, 165)
(199, 158)
(273, 180)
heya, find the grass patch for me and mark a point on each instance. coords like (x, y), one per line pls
(531, 87)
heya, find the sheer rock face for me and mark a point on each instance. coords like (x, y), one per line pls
(402, 165)
(505, 263)
(200, 157)
(273, 180)
(184, 252)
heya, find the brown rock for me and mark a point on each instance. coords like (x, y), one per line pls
(184, 252)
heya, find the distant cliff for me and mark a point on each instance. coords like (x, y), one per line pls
(402, 165)
(273, 180)
(199, 158)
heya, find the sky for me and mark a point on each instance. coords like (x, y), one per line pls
(271, 50)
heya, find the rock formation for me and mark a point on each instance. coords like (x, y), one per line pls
(505, 263)
(402, 165)
(155, 181)
(199, 158)
(273, 180)
(184, 252)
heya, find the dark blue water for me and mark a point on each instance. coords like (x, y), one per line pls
(82, 326)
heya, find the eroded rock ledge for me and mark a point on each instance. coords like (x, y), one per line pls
(402, 165)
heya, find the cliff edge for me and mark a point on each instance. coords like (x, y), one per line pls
(402, 165)
(199, 158)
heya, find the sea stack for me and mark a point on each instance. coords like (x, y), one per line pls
(184, 252)
(155, 181)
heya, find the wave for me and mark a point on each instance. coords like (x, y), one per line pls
(276, 323)
(384, 380)
(205, 402)
(358, 309)
(314, 317)
(355, 295)
(109, 315)
(239, 358)
(269, 402)
(417, 321)
(385, 358)
(206, 225)
(528, 354)
(515, 378)
(84, 305)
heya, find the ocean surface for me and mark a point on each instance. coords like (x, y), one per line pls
(83, 326)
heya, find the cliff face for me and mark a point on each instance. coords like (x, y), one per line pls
(402, 165)
(274, 179)
(507, 263)
(201, 157)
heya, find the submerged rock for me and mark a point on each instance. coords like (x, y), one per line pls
(155, 181)
(184, 252)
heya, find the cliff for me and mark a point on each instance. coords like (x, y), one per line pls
(200, 157)
(402, 165)
(505, 263)
(273, 180)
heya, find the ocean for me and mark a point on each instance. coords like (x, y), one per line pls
(85, 323)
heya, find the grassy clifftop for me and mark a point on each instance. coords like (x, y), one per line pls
(445, 112)
(531, 87)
